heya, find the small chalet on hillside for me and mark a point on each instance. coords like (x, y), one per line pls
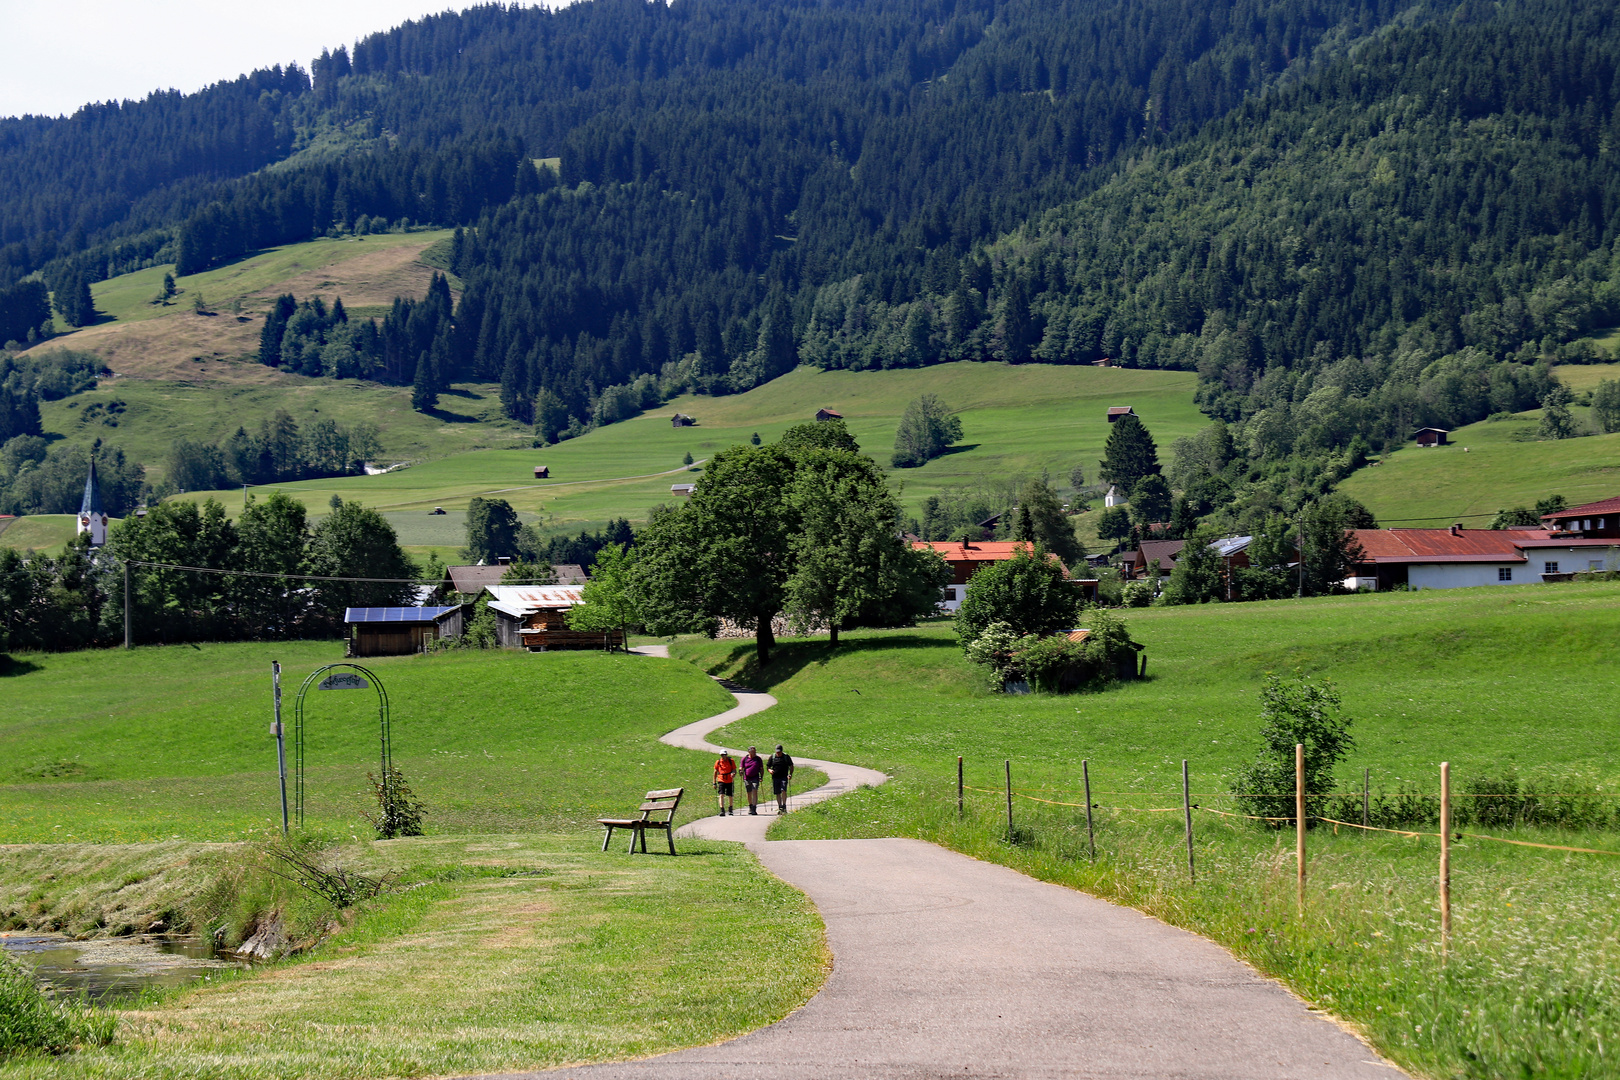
(682, 420)
(1117, 411)
(966, 558)
(1431, 436)
(823, 415)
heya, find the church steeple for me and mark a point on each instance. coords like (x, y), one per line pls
(92, 517)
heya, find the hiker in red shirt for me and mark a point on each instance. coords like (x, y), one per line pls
(725, 777)
(753, 770)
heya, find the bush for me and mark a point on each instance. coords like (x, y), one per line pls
(30, 1021)
(1298, 711)
(1053, 663)
(1136, 594)
(1029, 593)
(399, 813)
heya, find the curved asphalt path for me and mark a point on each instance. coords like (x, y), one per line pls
(945, 966)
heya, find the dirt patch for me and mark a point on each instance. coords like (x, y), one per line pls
(367, 280)
(182, 347)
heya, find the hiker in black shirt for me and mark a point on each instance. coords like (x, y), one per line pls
(780, 766)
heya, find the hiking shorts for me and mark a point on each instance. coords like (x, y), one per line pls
(779, 784)
(750, 785)
(727, 788)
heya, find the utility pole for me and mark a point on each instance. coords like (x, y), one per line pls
(281, 742)
(1299, 592)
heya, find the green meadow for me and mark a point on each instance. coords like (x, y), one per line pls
(173, 742)
(1016, 421)
(1513, 679)
(1486, 467)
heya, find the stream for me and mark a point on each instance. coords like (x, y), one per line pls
(111, 968)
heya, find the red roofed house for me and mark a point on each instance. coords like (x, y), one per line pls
(823, 415)
(1579, 539)
(966, 559)
(1139, 563)
(1453, 558)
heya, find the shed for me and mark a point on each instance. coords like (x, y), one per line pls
(1117, 411)
(1431, 436)
(1129, 667)
(823, 415)
(682, 420)
(398, 631)
(542, 472)
(535, 617)
(683, 490)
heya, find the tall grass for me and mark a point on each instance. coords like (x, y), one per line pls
(32, 1022)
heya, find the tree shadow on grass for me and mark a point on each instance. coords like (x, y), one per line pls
(10, 667)
(449, 417)
(793, 655)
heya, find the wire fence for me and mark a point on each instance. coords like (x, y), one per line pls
(1301, 819)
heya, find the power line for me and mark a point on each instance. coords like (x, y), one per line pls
(303, 577)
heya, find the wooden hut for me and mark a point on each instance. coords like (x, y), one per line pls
(398, 631)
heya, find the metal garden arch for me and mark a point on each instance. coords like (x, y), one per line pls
(340, 682)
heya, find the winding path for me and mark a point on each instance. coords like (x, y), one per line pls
(947, 966)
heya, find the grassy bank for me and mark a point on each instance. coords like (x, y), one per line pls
(516, 952)
(1463, 675)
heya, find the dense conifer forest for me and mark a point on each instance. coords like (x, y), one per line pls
(1349, 216)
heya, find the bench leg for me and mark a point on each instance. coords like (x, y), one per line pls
(608, 838)
(669, 834)
(643, 833)
(631, 850)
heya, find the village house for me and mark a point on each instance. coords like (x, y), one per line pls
(1139, 563)
(1453, 558)
(1581, 539)
(535, 617)
(398, 631)
(966, 558)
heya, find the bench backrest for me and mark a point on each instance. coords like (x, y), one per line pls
(661, 802)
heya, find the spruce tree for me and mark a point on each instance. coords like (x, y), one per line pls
(1129, 455)
(424, 391)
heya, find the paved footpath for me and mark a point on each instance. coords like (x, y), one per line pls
(945, 966)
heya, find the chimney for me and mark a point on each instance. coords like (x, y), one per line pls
(1456, 529)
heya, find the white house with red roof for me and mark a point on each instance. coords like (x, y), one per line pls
(1458, 558)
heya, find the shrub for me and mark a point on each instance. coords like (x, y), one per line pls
(399, 813)
(1294, 712)
(30, 1021)
(1052, 663)
(1137, 594)
(1029, 593)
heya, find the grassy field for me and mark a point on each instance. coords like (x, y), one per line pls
(125, 778)
(1016, 421)
(1459, 675)
(171, 742)
(41, 532)
(1486, 469)
(513, 952)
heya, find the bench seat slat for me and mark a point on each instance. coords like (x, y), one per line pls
(666, 793)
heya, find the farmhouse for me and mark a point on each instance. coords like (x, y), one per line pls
(1451, 558)
(966, 558)
(1140, 562)
(1431, 436)
(1117, 411)
(398, 631)
(469, 581)
(535, 617)
(823, 415)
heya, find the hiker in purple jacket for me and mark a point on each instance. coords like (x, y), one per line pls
(753, 770)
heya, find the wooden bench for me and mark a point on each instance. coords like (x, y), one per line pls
(654, 802)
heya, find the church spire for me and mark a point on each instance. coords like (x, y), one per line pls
(92, 494)
(92, 516)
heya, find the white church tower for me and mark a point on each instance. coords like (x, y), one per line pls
(92, 518)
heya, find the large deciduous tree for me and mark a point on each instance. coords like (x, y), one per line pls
(492, 530)
(1029, 592)
(851, 562)
(726, 553)
(354, 541)
(1041, 520)
(272, 535)
(926, 429)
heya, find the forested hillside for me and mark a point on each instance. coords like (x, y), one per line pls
(1349, 216)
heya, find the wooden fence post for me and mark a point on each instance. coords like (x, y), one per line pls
(1445, 856)
(1366, 782)
(1186, 808)
(1299, 818)
(959, 785)
(1091, 832)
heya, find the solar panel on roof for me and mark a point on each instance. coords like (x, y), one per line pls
(395, 614)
